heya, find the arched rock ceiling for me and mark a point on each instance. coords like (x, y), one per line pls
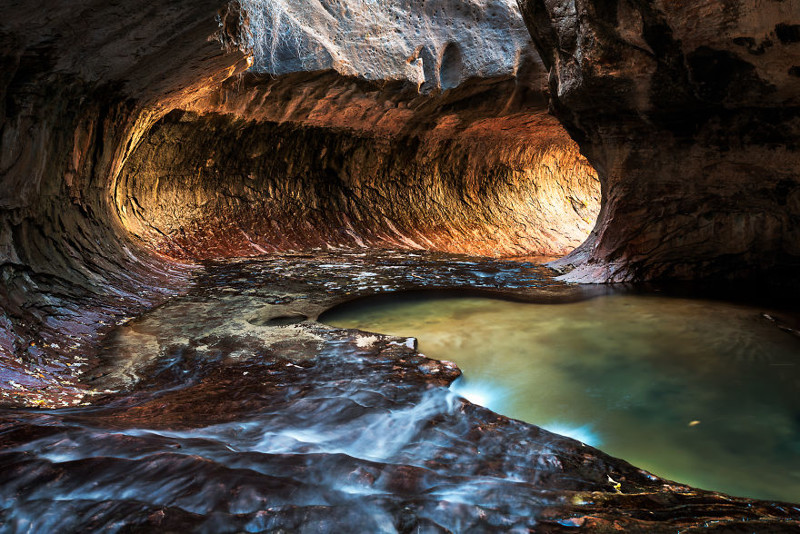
(85, 90)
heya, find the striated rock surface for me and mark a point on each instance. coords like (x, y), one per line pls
(690, 112)
(475, 170)
(80, 83)
(89, 205)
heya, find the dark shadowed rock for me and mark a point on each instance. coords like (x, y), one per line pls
(689, 112)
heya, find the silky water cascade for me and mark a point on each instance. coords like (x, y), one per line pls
(399, 266)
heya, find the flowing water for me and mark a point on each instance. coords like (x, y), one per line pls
(230, 409)
(701, 392)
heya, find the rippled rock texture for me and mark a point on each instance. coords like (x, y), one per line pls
(130, 139)
(455, 172)
(313, 428)
(690, 114)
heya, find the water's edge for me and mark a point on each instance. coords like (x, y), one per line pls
(235, 410)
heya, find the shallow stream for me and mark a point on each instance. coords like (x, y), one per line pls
(232, 409)
(701, 392)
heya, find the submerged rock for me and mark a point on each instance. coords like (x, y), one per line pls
(336, 433)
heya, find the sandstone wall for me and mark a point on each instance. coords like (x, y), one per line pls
(690, 112)
(105, 195)
(469, 171)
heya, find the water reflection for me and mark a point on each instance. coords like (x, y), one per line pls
(232, 414)
(701, 392)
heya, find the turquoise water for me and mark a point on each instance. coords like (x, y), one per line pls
(700, 392)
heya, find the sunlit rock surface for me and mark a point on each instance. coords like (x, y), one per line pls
(689, 112)
(473, 179)
(85, 87)
(340, 135)
(85, 220)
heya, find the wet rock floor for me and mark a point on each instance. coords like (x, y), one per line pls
(231, 409)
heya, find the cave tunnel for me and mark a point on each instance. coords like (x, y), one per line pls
(479, 170)
(242, 242)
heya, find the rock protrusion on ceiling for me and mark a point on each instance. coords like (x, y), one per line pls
(434, 44)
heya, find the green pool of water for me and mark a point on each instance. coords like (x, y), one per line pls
(700, 392)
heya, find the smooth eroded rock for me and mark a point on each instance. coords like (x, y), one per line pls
(690, 115)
